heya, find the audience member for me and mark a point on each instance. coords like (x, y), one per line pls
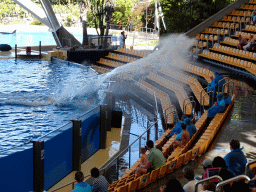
(155, 160)
(100, 183)
(209, 186)
(242, 42)
(177, 129)
(189, 176)
(122, 39)
(253, 16)
(207, 163)
(249, 43)
(225, 175)
(172, 184)
(221, 102)
(184, 138)
(236, 160)
(81, 186)
(227, 99)
(190, 127)
(143, 158)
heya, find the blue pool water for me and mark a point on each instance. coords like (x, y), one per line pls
(22, 38)
(38, 96)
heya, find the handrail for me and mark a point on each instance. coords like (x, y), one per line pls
(193, 107)
(228, 87)
(201, 92)
(207, 179)
(247, 168)
(240, 177)
(166, 118)
(187, 99)
(209, 96)
(223, 79)
(150, 90)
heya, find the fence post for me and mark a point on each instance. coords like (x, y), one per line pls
(156, 129)
(38, 166)
(77, 140)
(104, 125)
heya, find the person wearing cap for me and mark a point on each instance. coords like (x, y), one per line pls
(189, 176)
(207, 163)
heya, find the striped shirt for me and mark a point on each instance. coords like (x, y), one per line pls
(100, 184)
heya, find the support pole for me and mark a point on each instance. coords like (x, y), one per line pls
(77, 140)
(38, 166)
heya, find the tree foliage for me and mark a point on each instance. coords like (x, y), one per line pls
(123, 12)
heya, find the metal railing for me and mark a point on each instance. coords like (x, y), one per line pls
(191, 101)
(240, 177)
(247, 168)
(227, 84)
(224, 79)
(207, 179)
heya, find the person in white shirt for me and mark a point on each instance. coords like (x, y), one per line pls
(122, 39)
(189, 176)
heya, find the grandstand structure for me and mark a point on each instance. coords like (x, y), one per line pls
(216, 45)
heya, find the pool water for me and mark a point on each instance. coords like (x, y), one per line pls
(39, 96)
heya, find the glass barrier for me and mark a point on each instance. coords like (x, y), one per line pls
(17, 168)
(58, 155)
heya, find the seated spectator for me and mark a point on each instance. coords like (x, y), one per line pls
(253, 16)
(190, 127)
(155, 160)
(227, 99)
(184, 138)
(236, 160)
(207, 163)
(189, 176)
(177, 129)
(242, 42)
(209, 186)
(143, 158)
(81, 186)
(100, 183)
(221, 102)
(172, 184)
(249, 43)
(225, 175)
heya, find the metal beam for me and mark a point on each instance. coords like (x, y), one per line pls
(36, 11)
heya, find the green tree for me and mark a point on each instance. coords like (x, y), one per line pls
(123, 12)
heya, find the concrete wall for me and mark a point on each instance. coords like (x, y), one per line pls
(216, 17)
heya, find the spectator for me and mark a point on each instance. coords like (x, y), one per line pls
(209, 186)
(227, 99)
(236, 160)
(253, 16)
(184, 138)
(218, 107)
(100, 184)
(252, 184)
(225, 175)
(207, 163)
(143, 158)
(122, 39)
(177, 129)
(249, 43)
(189, 176)
(171, 185)
(242, 42)
(81, 186)
(155, 160)
(191, 128)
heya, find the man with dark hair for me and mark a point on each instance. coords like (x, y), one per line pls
(236, 160)
(189, 176)
(185, 137)
(100, 184)
(155, 160)
(81, 186)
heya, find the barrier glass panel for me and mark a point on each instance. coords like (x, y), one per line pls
(18, 168)
(90, 133)
(58, 155)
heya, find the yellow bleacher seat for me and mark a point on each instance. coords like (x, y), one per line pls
(144, 180)
(133, 185)
(154, 175)
(162, 171)
(123, 188)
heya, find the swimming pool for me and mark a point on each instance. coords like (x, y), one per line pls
(39, 96)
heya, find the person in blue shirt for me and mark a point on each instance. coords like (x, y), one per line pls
(177, 129)
(221, 102)
(81, 186)
(219, 82)
(191, 128)
(236, 160)
(227, 99)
